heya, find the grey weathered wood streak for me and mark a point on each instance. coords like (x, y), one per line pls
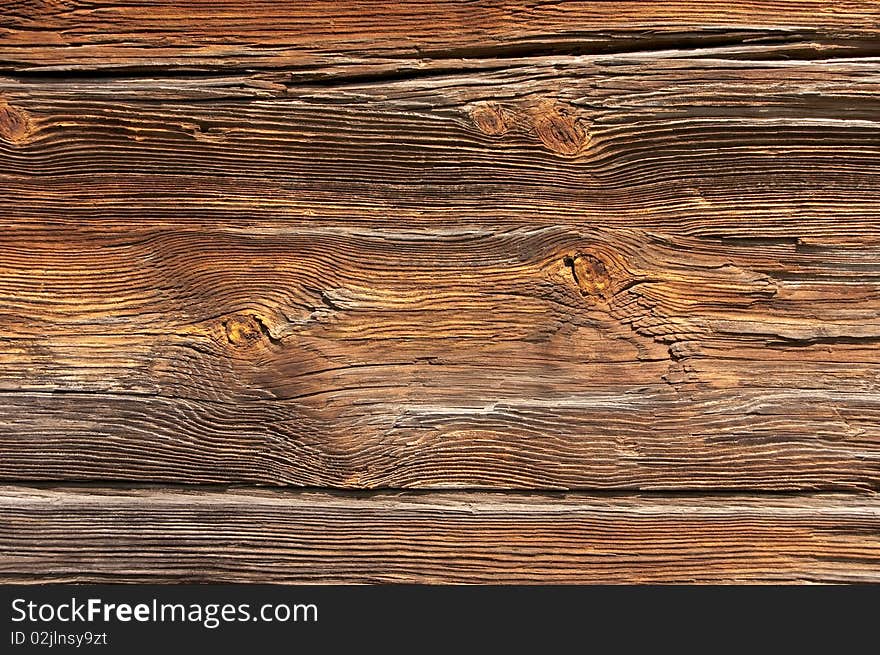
(148, 535)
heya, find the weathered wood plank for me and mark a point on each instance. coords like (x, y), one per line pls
(154, 535)
(436, 245)
(319, 37)
(709, 148)
(553, 357)
(447, 282)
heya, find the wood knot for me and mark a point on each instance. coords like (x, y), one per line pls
(490, 118)
(15, 124)
(591, 276)
(244, 331)
(557, 129)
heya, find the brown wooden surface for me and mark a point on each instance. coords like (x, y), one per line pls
(495, 245)
(74, 535)
(315, 37)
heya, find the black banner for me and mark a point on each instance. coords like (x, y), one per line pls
(236, 618)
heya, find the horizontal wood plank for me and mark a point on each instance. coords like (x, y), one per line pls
(323, 37)
(664, 144)
(523, 359)
(155, 535)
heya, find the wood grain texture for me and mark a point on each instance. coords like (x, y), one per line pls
(493, 280)
(95, 535)
(383, 360)
(495, 247)
(319, 37)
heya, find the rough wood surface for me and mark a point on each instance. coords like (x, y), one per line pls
(498, 245)
(86, 535)
(530, 358)
(317, 37)
(562, 275)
